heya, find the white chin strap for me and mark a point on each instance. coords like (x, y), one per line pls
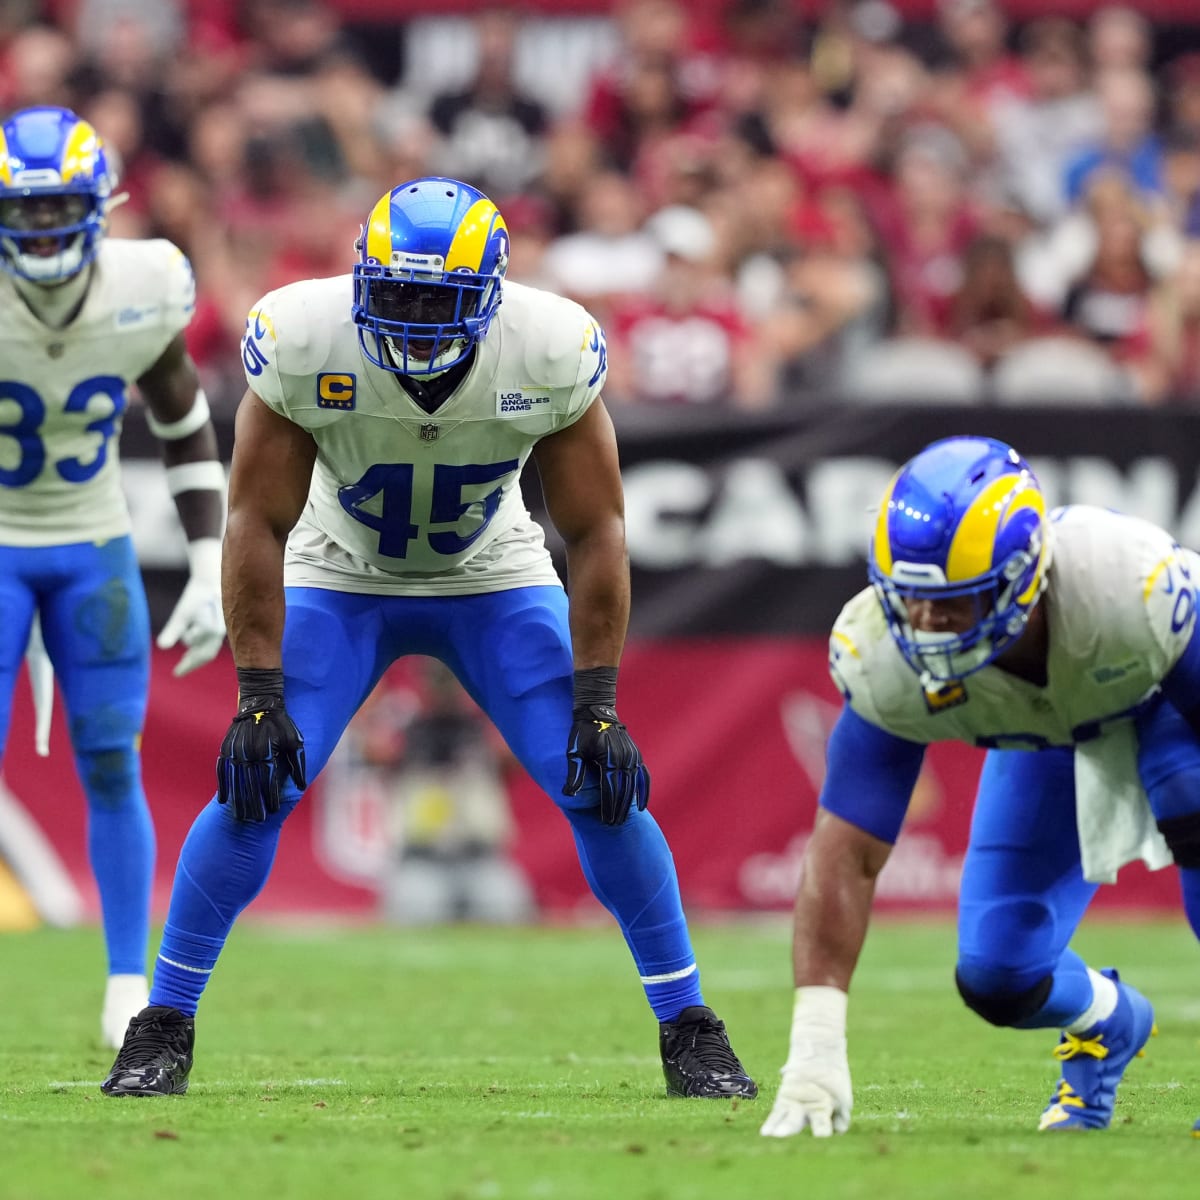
(50, 268)
(944, 665)
(424, 366)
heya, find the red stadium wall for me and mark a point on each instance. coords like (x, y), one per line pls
(734, 730)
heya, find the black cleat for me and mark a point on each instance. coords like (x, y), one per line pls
(156, 1056)
(698, 1060)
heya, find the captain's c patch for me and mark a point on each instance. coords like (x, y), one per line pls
(949, 695)
(335, 390)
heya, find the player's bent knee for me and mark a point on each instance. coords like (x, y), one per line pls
(110, 777)
(1182, 835)
(1005, 1009)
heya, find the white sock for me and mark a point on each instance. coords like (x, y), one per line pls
(1103, 1005)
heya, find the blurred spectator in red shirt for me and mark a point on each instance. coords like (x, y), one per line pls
(983, 75)
(36, 68)
(686, 342)
(924, 224)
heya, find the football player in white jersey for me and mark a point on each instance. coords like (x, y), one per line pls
(81, 319)
(1065, 645)
(375, 511)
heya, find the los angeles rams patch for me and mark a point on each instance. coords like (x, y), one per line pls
(517, 402)
(335, 390)
(949, 696)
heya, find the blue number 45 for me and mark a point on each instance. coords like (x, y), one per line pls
(393, 484)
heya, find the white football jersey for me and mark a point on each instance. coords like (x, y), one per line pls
(63, 392)
(1121, 605)
(407, 501)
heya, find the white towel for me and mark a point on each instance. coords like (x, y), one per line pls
(1112, 812)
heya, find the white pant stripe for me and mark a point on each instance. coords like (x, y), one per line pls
(671, 977)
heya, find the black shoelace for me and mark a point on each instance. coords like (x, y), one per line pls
(147, 1038)
(707, 1043)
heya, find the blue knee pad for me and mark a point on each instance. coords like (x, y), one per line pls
(992, 996)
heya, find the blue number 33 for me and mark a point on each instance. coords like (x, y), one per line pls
(31, 415)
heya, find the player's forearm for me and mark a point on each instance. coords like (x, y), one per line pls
(598, 585)
(252, 591)
(196, 480)
(833, 902)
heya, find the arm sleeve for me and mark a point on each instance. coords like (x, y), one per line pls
(870, 775)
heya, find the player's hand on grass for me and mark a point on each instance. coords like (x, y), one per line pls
(600, 745)
(261, 750)
(815, 1092)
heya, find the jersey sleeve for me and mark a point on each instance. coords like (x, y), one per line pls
(1169, 593)
(593, 370)
(179, 292)
(1176, 589)
(870, 775)
(260, 356)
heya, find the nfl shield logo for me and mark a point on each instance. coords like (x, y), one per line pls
(429, 432)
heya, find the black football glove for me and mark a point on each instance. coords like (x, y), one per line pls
(599, 742)
(262, 749)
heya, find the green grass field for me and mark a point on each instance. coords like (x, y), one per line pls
(473, 1064)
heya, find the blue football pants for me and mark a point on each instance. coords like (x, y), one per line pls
(1023, 893)
(511, 651)
(97, 633)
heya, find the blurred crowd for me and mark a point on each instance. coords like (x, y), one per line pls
(765, 211)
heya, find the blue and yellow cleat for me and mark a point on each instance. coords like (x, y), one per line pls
(1094, 1063)
(1196, 1128)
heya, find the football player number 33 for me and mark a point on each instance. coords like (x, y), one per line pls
(383, 500)
(25, 465)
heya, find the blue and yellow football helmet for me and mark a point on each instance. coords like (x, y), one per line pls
(56, 186)
(431, 259)
(964, 519)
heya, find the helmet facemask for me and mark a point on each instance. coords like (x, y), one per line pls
(417, 324)
(999, 605)
(48, 237)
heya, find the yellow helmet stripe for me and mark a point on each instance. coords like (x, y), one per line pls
(1034, 499)
(474, 232)
(379, 231)
(79, 154)
(974, 542)
(882, 546)
(5, 169)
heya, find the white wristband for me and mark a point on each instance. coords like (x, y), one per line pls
(817, 1011)
(195, 418)
(206, 475)
(204, 560)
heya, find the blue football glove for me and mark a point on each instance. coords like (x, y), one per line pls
(600, 745)
(261, 750)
